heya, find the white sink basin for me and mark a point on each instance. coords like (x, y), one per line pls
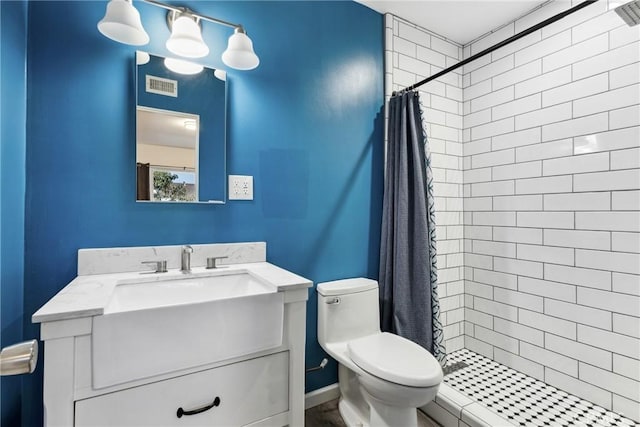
(183, 290)
(155, 327)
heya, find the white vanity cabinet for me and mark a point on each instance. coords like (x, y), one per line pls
(257, 388)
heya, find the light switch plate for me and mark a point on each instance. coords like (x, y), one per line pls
(240, 187)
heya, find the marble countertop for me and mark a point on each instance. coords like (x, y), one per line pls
(88, 295)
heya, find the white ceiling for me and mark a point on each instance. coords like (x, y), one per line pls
(459, 20)
(160, 127)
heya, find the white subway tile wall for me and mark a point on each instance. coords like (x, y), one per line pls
(548, 306)
(412, 54)
(544, 196)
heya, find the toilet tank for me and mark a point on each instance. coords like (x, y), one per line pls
(347, 309)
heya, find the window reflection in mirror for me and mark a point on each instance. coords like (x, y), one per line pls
(180, 134)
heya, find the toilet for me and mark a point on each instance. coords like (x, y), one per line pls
(382, 377)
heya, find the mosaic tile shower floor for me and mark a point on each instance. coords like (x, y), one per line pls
(524, 400)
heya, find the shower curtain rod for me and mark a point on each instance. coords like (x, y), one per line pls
(501, 44)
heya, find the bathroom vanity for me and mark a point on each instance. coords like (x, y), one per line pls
(221, 346)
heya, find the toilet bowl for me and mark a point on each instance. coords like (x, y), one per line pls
(382, 377)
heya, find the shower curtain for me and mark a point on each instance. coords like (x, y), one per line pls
(408, 276)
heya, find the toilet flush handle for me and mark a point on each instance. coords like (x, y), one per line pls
(335, 300)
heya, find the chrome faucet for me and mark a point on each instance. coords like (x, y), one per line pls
(185, 266)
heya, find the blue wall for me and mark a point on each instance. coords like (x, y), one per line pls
(13, 38)
(307, 124)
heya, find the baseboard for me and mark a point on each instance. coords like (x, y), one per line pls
(321, 395)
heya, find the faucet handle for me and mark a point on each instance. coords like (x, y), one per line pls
(212, 262)
(160, 266)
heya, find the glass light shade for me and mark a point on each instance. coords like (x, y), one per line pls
(186, 38)
(181, 66)
(239, 53)
(122, 23)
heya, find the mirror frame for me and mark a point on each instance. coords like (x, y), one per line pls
(223, 173)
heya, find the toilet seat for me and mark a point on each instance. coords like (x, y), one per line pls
(395, 359)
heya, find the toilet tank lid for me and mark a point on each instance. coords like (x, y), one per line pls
(346, 286)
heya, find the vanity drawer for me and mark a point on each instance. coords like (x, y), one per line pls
(248, 391)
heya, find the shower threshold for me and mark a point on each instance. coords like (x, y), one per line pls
(488, 394)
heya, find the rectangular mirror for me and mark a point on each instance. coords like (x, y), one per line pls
(180, 133)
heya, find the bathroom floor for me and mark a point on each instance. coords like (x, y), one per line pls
(524, 400)
(327, 415)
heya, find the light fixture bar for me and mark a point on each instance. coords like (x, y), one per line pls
(181, 10)
(122, 24)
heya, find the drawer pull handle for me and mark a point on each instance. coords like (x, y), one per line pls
(181, 412)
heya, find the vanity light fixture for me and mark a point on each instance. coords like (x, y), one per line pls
(239, 53)
(122, 23)
(186, 35)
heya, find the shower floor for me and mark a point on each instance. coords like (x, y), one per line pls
(524, 400)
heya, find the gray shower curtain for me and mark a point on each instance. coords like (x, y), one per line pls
(408, 276)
